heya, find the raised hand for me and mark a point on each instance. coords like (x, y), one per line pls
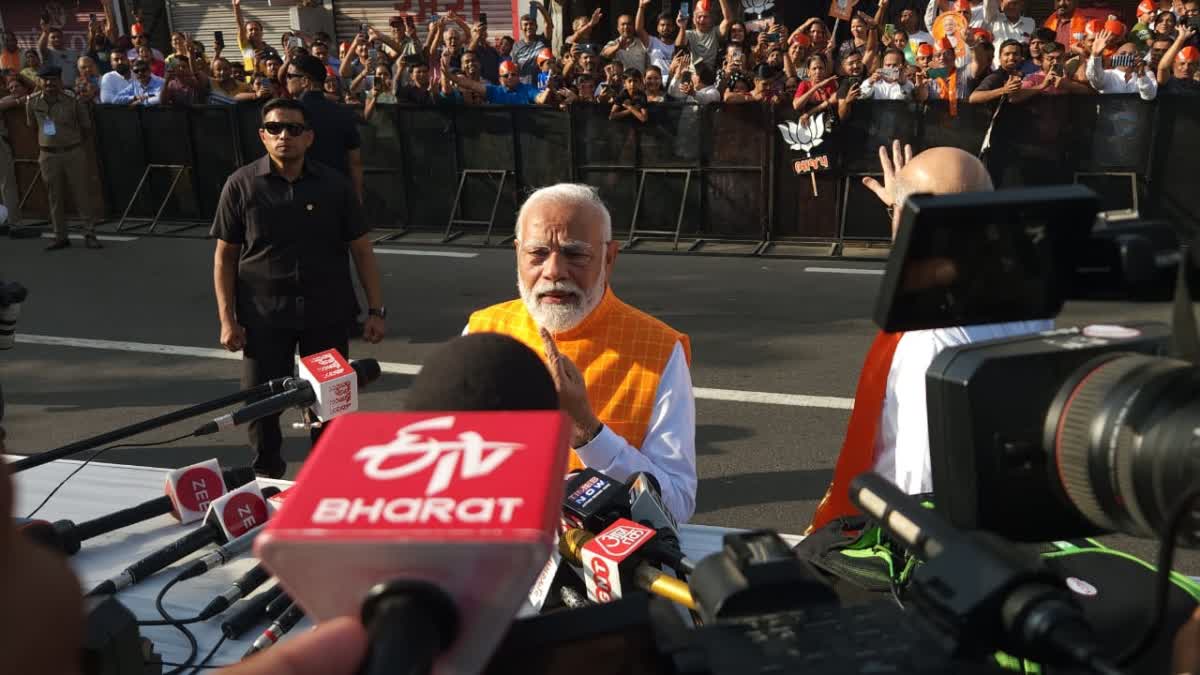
(1101, 42)
(891, 164)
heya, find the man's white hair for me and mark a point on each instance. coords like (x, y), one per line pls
(576, 194)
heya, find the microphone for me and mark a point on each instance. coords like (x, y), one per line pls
(193, 488)
(979, 587)
(221, 555)
(336, 394)
(609, 562)
(646, 506)
(228, 517)
(67, 536)
(594, 501)
(278, 606)
(248, 612)
(480, 491)
(244, 585)
(276, 630)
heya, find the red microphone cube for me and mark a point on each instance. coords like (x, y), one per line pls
(467, 501)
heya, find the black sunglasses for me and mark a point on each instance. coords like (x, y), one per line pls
(276, 128)
(294, 76)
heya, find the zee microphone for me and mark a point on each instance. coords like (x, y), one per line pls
(228, 517)
(66, 536)
(248, 612)
(330, 391)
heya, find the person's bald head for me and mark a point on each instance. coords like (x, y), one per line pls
(938, 171)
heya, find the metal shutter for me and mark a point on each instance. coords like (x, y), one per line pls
(348, 14)
(202, 17)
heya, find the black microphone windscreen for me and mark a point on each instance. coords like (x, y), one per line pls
(483, 371)
(367, 369)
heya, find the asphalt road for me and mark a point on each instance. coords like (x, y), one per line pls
(767, 326)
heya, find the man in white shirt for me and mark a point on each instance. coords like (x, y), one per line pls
(661, 50)
(703, 43)
(888, 83)
(1128, 74)
(116, 80)
(623, 377)
(1007, 24)
(890, 432)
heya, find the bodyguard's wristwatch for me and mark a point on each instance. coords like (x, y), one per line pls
(380, 312)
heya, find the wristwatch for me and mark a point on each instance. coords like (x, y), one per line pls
(380, 312)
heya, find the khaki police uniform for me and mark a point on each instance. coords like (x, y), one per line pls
(10, 192)
(60, 127)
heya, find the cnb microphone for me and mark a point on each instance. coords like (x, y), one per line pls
(987, 593)
(611, 561)
(66, 536)
(339, 392)
(229, 517)
(444, 567)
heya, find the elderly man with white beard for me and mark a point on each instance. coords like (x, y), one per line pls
(623, 376)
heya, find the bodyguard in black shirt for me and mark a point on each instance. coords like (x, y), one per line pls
(284, 226)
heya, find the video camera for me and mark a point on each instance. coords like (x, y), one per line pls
(1061, 434)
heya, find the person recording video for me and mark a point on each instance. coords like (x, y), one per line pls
(889, 428)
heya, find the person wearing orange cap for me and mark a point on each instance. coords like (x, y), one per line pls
(1142, 34)
(628, 48)
(510, 91)
(1177, 69)
(1128, 74)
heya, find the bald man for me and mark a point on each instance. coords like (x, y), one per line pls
(889, 430)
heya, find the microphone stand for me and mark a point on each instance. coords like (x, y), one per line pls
(47, 456)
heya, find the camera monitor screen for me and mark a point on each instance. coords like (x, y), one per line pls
(985, 257)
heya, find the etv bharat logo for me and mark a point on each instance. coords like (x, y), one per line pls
(476, 456)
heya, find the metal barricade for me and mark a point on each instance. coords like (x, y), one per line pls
(691, 176)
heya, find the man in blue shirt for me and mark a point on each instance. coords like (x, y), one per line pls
(145, 89)
(510, 90)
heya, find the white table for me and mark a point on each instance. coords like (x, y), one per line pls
(102, 488)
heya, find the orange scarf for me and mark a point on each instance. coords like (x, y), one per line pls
(858, 450)
(621, 351)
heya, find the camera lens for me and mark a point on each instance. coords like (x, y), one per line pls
(1125, 434)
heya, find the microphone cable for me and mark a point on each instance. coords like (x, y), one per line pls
(181, 626)
(96, 454)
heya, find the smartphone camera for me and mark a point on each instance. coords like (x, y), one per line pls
(483, 18)
(1122, 60)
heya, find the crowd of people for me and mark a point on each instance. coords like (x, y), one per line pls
(982, 51)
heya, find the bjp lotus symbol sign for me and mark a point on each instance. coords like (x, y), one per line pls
(804, 135)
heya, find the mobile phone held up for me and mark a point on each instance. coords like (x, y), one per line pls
(483, 18)
(684, 10)
(773, 37)
(218, 39)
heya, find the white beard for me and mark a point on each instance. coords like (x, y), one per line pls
(561, 317)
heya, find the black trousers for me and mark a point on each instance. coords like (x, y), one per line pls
(270, 352)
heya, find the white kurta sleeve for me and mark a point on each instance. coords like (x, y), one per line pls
(669, 449)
